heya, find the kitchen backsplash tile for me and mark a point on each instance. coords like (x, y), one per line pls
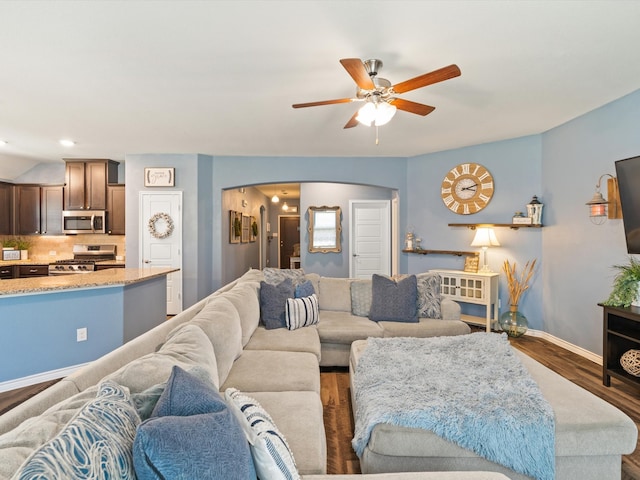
(43, 245)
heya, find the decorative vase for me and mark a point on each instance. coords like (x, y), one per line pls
(24, 254)
(513, 322)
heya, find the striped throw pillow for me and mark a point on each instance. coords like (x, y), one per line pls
(271, 453)
(302, 312)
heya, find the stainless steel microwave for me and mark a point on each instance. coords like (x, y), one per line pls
(84, 221)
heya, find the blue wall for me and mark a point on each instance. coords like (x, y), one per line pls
(230, 172)
(515, 167)
(577, 254)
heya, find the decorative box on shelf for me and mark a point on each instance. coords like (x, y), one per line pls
(522, 221)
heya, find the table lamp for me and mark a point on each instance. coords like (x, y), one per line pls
(485, 238)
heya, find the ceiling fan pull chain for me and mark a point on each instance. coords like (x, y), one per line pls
(377, 139)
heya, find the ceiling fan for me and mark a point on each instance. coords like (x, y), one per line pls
(379, 95)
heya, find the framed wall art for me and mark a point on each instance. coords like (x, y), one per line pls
(235, 226)
(253, 234)
(159, 176)
(246, 228)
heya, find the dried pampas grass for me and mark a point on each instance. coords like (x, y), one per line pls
(518, 285)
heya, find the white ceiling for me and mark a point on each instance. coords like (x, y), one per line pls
(219, 77)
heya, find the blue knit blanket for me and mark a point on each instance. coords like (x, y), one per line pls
(469, 389)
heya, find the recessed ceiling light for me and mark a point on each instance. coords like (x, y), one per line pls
(67, 143)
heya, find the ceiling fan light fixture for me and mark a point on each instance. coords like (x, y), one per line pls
(367, 114)
(376, 113)
(384, 113)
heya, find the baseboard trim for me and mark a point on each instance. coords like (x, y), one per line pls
(39, 378)
(566, 345)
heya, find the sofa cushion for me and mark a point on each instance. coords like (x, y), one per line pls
(274, 276)
(304, 431)
(335, 294)
(425, 327)
(191, 434)
(344, 328)
(304, 289)
(245, 297)
(314, 278)
(270, 371)
(271, 453)
(220, 320)
(394, 301)
(281, 339)
(273, 301)
(186, 346)
(429, 295)
(301, 312)
(95, 444)
(361, 297)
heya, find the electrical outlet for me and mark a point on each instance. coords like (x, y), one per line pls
(52, 253)
(81, 334)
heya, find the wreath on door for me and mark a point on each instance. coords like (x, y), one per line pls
(168, 225)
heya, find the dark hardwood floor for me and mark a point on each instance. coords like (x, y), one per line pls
(336, 400)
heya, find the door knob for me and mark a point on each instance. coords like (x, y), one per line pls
(147, 261)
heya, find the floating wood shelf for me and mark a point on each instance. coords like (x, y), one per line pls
(441, 252)
(514, 226)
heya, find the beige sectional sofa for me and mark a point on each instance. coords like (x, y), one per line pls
(220, 340)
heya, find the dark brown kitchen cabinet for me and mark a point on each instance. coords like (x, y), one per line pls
(115, 210)
(6, 272)
(51, 210)
(27, 209)
(6, 208)
(38, 210)
(86, 183)
(27, 271)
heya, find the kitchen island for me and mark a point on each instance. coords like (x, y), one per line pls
(50, 326)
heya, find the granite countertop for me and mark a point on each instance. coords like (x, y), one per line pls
(32, 261)
(97, 279)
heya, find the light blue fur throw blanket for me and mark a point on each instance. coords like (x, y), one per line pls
(469, 389)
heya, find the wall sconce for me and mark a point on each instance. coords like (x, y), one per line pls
(485, 238)
(599, 208)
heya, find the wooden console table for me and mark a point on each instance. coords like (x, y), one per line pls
(621, 333)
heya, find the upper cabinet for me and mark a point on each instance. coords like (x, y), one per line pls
(86, 183)
(115, 209)
(38, 210)
(6, 208)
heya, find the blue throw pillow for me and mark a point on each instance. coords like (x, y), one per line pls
(273, 301)
(394, 301)
(305, 289)
(191, 434)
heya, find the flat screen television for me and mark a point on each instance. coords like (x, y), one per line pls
(628, 173)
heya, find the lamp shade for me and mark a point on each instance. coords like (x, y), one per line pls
(376, 113)
(485, 237)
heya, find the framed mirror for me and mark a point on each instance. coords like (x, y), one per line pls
(324, 229)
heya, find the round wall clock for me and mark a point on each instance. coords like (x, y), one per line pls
(467, 188)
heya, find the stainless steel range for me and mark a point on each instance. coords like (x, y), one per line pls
(84, 259)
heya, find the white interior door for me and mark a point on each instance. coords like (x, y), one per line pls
(370, 238)
(163, 246)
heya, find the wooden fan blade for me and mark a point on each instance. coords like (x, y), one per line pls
(355, 68)
(324, 102)
(412, 107)
(436, 76)
(352, 121)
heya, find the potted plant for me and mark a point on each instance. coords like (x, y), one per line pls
(9, 243)
(626, 285)
(23, 245)
(513, 322)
